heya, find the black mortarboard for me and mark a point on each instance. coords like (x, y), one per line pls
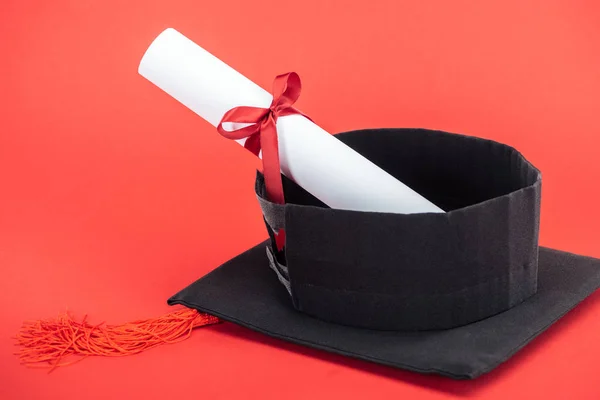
(453, 293)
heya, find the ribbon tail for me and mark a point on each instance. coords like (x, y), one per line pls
(271, 166)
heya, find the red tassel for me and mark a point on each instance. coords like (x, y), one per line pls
(53, 340)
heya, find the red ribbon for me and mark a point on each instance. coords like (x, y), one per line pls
(262, 134)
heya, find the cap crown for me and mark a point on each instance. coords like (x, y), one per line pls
(411, 272)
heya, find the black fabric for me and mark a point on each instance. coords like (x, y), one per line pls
(246, 292)
(356, 271)
(419, 271)
(274, 214)
(280, 270)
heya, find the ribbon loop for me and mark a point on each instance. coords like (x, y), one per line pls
(286, 91)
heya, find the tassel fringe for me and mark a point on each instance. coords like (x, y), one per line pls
(63, 341)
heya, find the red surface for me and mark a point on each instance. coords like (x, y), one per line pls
(114, 196)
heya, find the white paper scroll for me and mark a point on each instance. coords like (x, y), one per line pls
(317, 161)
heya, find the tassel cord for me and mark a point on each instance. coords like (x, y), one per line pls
(63, 341)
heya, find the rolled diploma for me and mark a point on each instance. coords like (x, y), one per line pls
(316, 160)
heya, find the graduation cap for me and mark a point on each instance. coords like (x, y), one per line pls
(454, 293)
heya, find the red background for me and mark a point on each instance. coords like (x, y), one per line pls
(114, 196)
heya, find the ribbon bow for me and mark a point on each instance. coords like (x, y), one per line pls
(262, 134)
